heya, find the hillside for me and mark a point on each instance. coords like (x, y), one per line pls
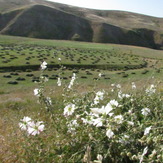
(43, 19)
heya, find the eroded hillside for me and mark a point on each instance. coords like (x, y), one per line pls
(43, 19)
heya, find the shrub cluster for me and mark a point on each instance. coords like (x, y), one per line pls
(100, 126)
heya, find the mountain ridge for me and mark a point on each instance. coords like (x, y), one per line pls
(49, 20)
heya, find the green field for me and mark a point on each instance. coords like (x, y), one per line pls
(20, 60)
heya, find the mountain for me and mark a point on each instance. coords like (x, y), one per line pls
(49, 20)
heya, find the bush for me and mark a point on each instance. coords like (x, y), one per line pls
(76, 37)
(103, 126)
(13, 82)
(20, 79)
(145, 71)
(125, 75)
(7, 76)
(29, 75)
(14, 73)
(84, 77)
(28, 70)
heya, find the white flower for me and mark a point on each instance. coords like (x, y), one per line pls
(72, 81)
(133, 85)
(132, 99)
(96, 111)
(147, 130)
(31, 127)
(99, 159)
(109, 133)
(118, 86)
(121, 95)
(72, 126)
(130, 111)
(107, 109)
(59, 59)
(88, 120)
(119, 119)
(100, 75)
(103, 110)
(112, 85)
(36, 92)
(48, 100)
(43, 65)
(26, 119)
(97, 122)
(74, 122)
(114, 103)
(96, 100)
(144, 152)
(69, 109)
(45, 79)
(130, 123)
(124, 139)
(74, 75)
(154, 152)
(35, 128)
(59, 82)
(24, 123)
(99, 96)
(145, 111)
(126, 95)
(150, 90)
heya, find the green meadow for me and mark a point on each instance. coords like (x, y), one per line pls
(21, 59)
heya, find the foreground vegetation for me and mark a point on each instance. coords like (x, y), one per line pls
(80, 114)
(95, 126)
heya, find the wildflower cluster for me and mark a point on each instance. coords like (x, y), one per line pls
(59, 83)
(39, 92)
(152, 89)
(126, 125)
(72, 81)
(32, 128)
(123, 127)
(43, 65)
(99, 96)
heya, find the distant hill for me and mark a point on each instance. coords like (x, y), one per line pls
(49, 20)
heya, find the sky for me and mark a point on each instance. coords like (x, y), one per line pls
(146, 7)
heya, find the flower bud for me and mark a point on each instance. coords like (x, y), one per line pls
(134, 157)
(159, 157)
(123, 154)
(149, 141)
(99, 157)
(150, 156)
(154, 152)
(143, 138)
(129, 154)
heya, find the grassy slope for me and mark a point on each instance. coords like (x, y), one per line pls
(140, 78)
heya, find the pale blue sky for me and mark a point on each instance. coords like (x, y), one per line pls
(147, 7)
